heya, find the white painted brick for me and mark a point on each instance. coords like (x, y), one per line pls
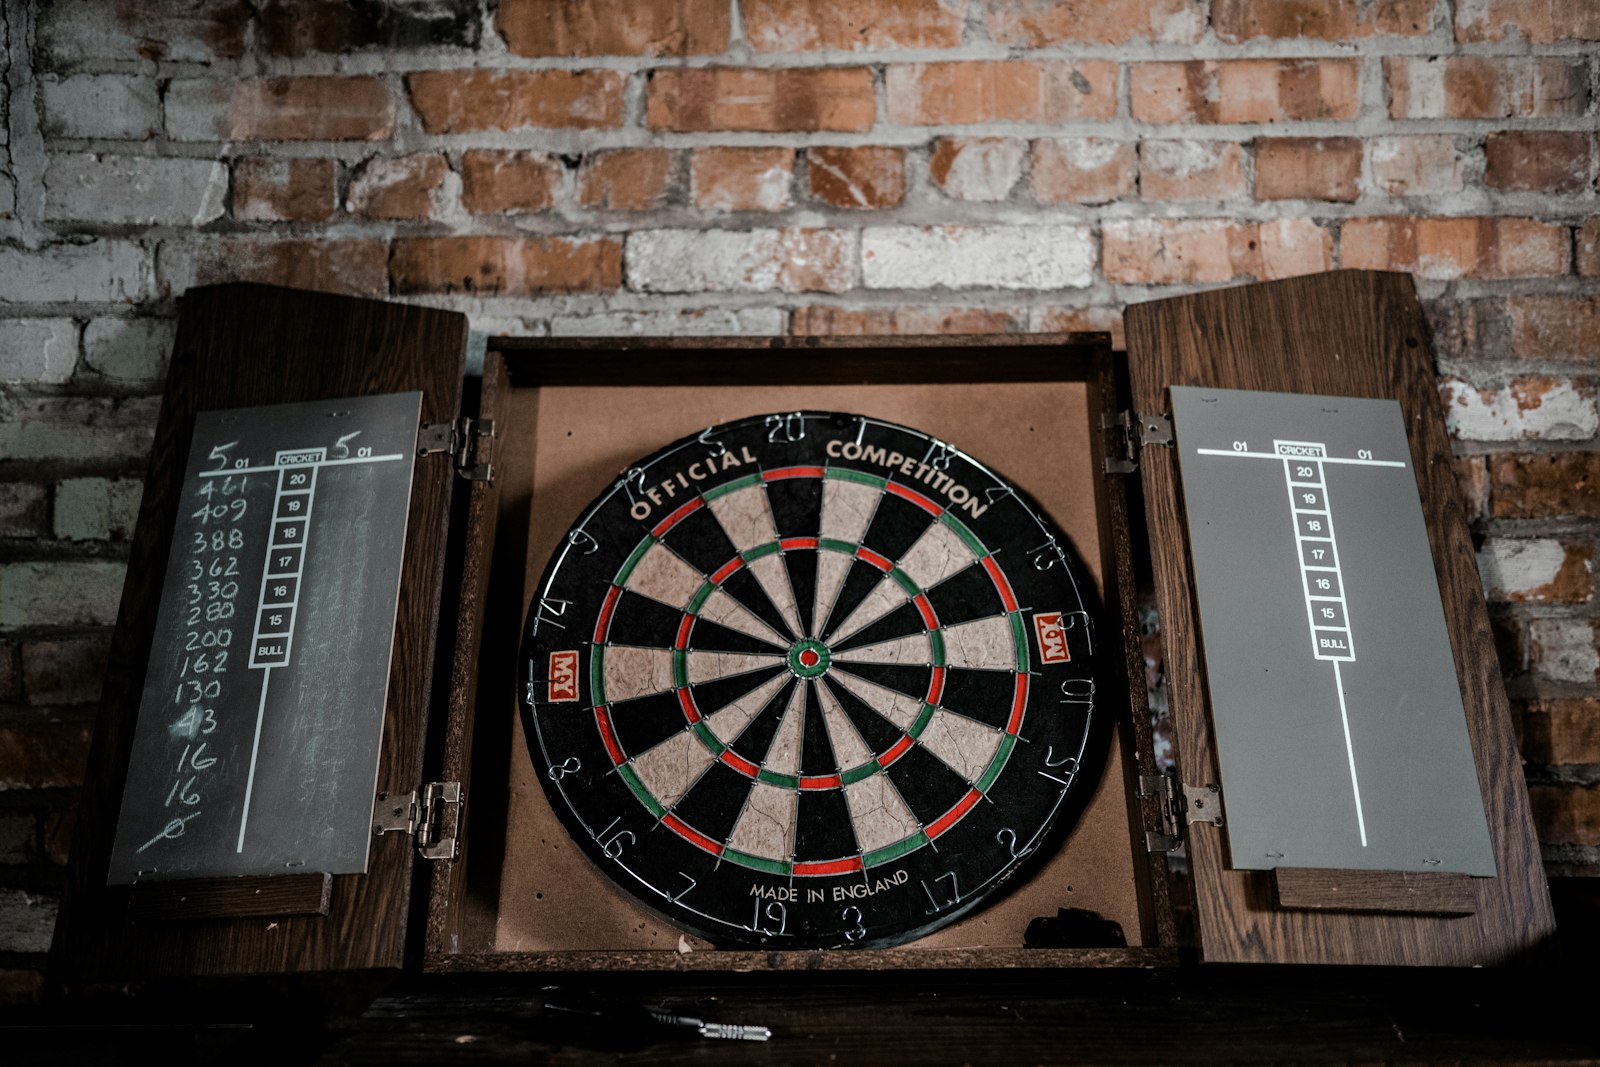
(74, 429)
(38, 351)
(955, 257)
(1566, 650)
(135, 189)
(97, 272)
(1526, 409)
(101, 105)
(985, 169)
(1425, 96)
(27, 921)
(97, 509)
(192, 31)
(696, 322)
(752, 261)
(128, 350)
(61, 593)
(1515, 568)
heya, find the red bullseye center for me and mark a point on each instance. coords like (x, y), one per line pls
(809, 658)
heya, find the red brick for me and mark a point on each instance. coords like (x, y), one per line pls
(505, 266)
(859, 25)
(406, 187)
(1087, 170)
(852, 322)
(1426, 165)
(1537, 161)
(494, 182)
(1168, 251)
(1308, 168)
(628, 179)
(977, 168)
(857, 177)
(1566, 814)
(731, 98)
(742, 179)
(936, 94)
(1538, 21)
(1520, 570)
(1041, 25)
(1191, 170)
(43, 755)
(1557, 328)
(266, 189)
(334, 27)
(1542, 486)
(1245, 90)
(355, 266)
(24, 510)
(457, 101)
(1486, 87)
(65, 670)
(1448, 248)
(1561, 731)
(1588, 241)
(1327, 20)
(316, 108)
(614, 27)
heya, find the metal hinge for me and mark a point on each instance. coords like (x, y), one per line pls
(1177, 809)
(469, 441)
(1126, 440)
(431, 815)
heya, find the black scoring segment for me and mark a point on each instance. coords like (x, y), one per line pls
(643, 723)
(743, 587)
(928, 787)
(816, 749)
(796, 506)
(912, 681)
(878, 732)
(700, 540)
(824, 830)
(638, 620)
(966, 595)
(711, 697)
(862, 579)
(895, 526)
(756, 738)
(982, 695)
(713, 803)
(802, 566)
(714, 637)
(905, 619)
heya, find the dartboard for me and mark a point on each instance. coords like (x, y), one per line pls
(811, 680)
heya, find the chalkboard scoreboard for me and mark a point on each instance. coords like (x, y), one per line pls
(256, 750)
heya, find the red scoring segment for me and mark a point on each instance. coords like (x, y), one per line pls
(954, 815)
(793, 472)
(676, 517)
(915, 497)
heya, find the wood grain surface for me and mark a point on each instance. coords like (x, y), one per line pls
(1348, 333)
(230, 898)
(1402, 891)
(242, 345)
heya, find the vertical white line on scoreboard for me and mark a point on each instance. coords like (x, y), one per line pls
(1350, 753)
(255, 749)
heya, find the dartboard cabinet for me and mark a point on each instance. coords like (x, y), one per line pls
(746, 654)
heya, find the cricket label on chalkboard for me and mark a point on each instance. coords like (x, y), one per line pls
(1341, 737)
(256, 749)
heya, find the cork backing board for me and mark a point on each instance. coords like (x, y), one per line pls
(566, 444)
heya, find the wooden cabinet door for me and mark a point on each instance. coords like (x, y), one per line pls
(238, 346)
(1352, 334)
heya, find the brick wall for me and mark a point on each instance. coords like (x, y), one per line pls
(785, 166)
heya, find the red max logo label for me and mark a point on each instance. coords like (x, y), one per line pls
(1052, 637)
(563, 677)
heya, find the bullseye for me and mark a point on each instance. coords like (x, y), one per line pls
(808, 659)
